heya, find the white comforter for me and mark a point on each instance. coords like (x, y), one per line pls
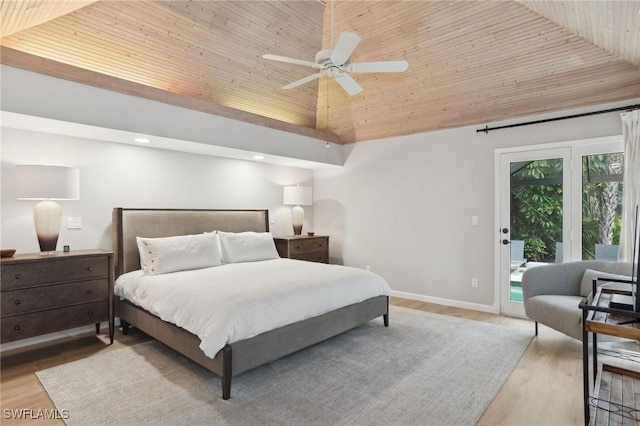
(225, 304)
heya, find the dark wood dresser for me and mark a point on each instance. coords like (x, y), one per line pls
(303, 247)
(45, 294)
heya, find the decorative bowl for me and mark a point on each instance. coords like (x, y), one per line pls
(311, 234)
(7, 252)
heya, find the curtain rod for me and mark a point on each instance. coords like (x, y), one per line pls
(487, 129)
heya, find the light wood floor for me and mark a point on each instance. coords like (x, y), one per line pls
(545, 388)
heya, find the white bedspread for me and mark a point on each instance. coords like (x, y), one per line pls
(225, 304)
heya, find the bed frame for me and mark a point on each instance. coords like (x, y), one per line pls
(243, 355)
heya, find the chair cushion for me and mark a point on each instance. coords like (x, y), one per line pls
(558, 312)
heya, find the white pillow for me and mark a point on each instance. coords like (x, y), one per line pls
(247, 246)
(179, 253)
(586, 286)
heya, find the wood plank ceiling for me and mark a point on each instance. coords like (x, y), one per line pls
(470, 62)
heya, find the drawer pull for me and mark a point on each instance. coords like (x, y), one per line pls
(17, 328)
(90, 291)
(90, 269)
(17, 302)
(90, 313)
(18, 276)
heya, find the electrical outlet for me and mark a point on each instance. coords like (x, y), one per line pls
(74, 223)
(474, 282)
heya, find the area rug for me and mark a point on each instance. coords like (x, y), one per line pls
(425, 369)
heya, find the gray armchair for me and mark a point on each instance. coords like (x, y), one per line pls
(553, 292)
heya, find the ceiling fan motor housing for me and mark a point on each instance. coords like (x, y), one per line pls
(323, 59)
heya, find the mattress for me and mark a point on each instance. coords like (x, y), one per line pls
(236, 301)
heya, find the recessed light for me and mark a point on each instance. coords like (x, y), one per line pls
(258, 157)
(142, 140)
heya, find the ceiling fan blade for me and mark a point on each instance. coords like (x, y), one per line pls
(387, 66)
(348, 84)
(302, 81)
(345, 46)
(288, 60)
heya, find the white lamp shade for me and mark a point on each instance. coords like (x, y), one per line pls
(297, 195)
(47, 183)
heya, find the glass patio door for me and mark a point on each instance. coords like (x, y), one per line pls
(534, 217)
(601, 202)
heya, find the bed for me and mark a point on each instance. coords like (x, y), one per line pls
(238, 356)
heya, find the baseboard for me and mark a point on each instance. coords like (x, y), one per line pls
(446, 302)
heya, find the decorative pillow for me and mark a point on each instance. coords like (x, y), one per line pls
(179, 253)
(586, 286)
(247, 246)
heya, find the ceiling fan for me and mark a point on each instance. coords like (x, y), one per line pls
(335, 63)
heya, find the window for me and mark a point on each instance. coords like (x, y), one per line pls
(601, 205)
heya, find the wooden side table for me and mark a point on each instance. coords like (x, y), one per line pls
(45, 294)
(302, 247)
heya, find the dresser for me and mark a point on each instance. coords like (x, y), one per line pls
(45, 294)
(302, 247)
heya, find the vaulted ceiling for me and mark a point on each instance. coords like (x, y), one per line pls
(470, 62)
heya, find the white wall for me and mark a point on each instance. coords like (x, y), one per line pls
(403, 205)
(117, 175)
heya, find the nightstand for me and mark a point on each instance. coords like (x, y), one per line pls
(303, 247)
(45, 294)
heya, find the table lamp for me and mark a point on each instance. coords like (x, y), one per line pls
(47, 183)
(297, 196)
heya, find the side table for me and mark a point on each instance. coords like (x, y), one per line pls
(599, 318)
(303, 247)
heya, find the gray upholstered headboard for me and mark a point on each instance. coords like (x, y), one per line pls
(127, 224)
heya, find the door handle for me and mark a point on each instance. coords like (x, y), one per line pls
(505, 230)
(505, 242)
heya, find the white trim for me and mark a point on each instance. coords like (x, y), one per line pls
(497, 273)
(447, 302)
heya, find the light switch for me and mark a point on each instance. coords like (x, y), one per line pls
(474, 220)
(74, 223)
